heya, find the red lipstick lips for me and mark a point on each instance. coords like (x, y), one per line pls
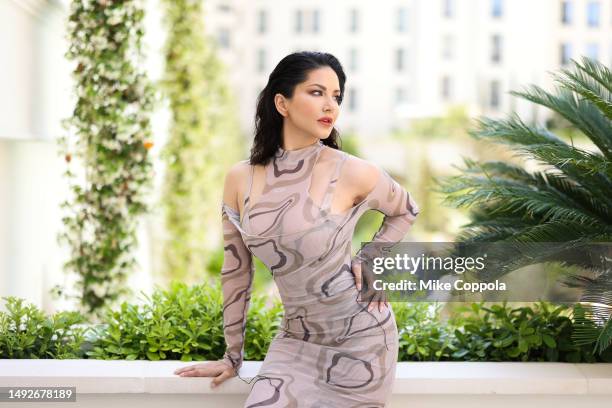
(326, 121)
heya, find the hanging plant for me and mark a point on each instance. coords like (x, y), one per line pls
(109, 133)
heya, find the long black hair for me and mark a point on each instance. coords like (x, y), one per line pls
(289, 72)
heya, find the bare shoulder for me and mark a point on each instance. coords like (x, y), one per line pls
(238, 171)
(363, 174)
(235, 178)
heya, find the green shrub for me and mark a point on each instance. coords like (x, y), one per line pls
(422, 336)
(495, 333)
(182, 323)
(263, 322)
(502, 333)
(186, 323)
(25, 332)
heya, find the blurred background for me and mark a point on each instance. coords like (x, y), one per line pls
(418, 72)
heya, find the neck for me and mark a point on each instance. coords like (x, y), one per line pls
(299, 145)
(296, 154)
(294, 138)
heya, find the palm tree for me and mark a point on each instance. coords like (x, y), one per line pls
(568, 201)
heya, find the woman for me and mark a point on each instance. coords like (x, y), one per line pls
(294, 205)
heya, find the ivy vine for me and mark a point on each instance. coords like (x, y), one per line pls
(109, 134)
(203, 141)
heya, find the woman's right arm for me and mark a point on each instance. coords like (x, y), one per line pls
(236, 274)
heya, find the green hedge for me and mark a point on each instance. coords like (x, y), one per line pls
(498, 332)
(186, 323)
(25, 332)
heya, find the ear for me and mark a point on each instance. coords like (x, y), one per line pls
(281, 105)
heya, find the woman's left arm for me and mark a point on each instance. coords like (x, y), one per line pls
(399, 208)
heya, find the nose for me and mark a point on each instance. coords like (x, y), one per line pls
(329, 106)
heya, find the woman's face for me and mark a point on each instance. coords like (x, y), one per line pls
(314, 99)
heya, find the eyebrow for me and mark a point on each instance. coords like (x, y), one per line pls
(324, 88)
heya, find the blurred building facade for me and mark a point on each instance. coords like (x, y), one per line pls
(413, 58)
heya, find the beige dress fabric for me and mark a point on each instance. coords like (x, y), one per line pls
(330, 350)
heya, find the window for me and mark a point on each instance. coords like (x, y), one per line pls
(401, 95)
(261, 60)
(402, 20)
(593, 12)
(223, 37)
(399, 59)
(307, 20)
(354, 20)
(496, 8)
(316, 15)
(299, 21)
(353, 59)
(225, 8)
(567, 12)
(496, 44)
(566, 53)
(352, 94)
(261, 21)
(446, 87)
(447, 46)
(494, 95)
(592, 51)
(447, 8)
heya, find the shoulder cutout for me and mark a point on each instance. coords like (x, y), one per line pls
(235, 180)
(364, 175)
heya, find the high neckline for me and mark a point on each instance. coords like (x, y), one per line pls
(298, 154)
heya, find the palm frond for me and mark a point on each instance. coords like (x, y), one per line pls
(509, 195)
(597, 71)
(485, 233)
(558, 182)
(506, 256)
(592, 327)
(581, 113)
(591, 81)
(567, 203)
(513, 131)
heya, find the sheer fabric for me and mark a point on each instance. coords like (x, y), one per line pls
(330, 350)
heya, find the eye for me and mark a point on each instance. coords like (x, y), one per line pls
(338, 97)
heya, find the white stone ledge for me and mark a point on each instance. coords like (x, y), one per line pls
(438, 383)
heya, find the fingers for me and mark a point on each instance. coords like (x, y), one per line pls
(196, 370)
(183, 369)
(382, 304)
(220, 378)
(356, 269)
(207, 370)
(372, 305)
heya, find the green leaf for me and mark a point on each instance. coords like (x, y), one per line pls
(152, 356)
(549, 341)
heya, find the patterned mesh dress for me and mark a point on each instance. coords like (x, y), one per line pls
(330, 350)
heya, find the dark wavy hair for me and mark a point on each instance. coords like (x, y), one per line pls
(290, 71)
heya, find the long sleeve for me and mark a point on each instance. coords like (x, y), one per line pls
(400, 212)
(236, 279)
